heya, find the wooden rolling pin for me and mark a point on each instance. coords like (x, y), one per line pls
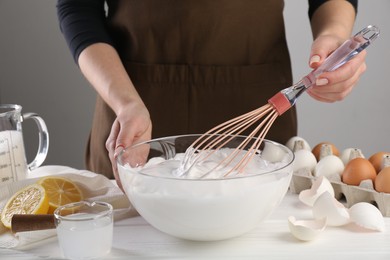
(31, 222)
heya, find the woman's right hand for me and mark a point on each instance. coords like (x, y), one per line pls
(132, 125)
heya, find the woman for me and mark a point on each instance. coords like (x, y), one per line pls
(189, 65)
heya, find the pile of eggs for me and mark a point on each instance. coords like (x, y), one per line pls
(325, 165)
(349, 166)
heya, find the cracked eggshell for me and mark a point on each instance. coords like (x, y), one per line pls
(367, 216)
(326, 206)
(306, 230)
(319, 186)
(291, 142)
(329, 166)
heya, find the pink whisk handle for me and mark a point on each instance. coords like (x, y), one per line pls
(280, 102)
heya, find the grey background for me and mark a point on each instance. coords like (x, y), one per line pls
(37, 72)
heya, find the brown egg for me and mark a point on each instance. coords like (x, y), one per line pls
(382, 180)
(376, 160)
(317, 150)
(358, 170)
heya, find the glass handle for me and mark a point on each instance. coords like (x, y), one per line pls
(43, 146)
(347, 51)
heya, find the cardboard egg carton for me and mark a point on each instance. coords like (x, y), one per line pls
(351, 194)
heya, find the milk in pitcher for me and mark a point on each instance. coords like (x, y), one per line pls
(13, 165)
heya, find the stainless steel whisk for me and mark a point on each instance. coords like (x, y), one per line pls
(219, 136)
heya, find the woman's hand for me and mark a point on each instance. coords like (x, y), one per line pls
(101, 65)
(335, 85)
(132, 125)
(332, 24)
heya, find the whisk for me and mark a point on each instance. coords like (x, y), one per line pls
(219, 136)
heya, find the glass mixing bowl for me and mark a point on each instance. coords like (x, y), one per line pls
(203, 209)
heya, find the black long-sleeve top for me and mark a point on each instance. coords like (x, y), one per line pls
(83, 22)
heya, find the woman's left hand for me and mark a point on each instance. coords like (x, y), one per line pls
(335, 85)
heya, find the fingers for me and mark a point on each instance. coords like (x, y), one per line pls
(321, 49)
(113, 148)
(128, 128)
(351, 69)
(111, 140)
(336, 85)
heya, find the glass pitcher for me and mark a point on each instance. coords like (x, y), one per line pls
(13, 162)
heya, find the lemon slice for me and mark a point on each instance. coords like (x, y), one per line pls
(60, 191)
(29, 200)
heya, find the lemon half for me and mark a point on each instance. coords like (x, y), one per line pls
(30, 200)
(60, 191)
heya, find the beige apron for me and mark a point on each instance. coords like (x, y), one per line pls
(197, 63)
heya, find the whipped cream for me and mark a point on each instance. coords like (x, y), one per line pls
(209, 166)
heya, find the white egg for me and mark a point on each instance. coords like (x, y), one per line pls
(367, 216)
(319, 186)
(306, 230)
(329, 166)
(345, 155)
(304, 159)
(291, 142)
(326, 206)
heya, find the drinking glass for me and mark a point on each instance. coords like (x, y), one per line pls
(84, 229)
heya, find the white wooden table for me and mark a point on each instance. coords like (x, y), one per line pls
(134, 238)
